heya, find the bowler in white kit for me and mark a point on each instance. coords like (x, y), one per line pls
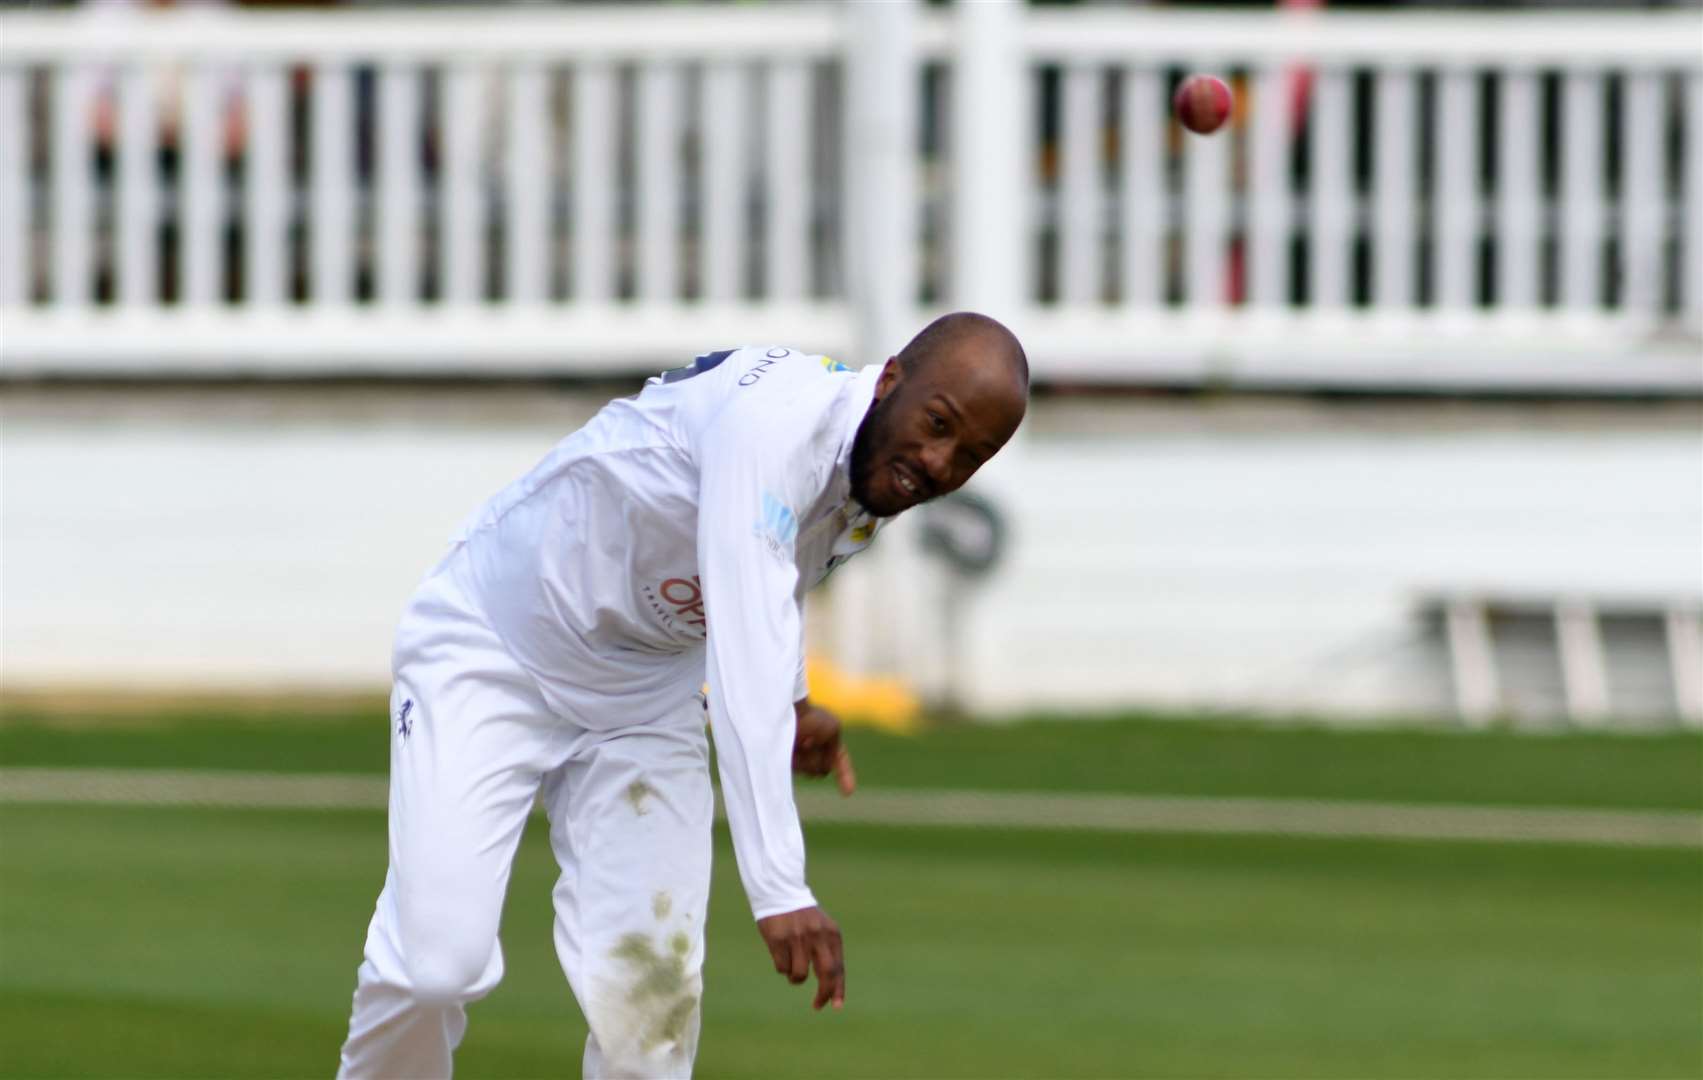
(559, 653)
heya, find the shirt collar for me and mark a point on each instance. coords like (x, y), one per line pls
(856, 399)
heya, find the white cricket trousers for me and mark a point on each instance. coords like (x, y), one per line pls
(472, 746)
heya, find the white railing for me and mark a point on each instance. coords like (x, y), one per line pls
(1510, 200)
(1407, 199)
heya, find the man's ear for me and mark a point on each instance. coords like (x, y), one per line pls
(891, 375)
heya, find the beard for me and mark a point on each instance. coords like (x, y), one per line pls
(874, 431)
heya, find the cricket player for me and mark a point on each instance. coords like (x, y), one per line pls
(559, 652)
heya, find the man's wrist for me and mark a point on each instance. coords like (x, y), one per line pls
(769, 910)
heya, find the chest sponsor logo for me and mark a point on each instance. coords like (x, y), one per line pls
(679, 603)
(761, 367)
(757, 371)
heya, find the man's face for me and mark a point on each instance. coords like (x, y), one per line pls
(929, 431)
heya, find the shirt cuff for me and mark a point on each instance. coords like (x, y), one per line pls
(781, 907)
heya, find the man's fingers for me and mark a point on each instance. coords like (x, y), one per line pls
(805, 939)
(798, 968)
(844, 774)
(830, 971)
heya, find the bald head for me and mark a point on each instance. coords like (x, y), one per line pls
(942, 408)
(966, 332)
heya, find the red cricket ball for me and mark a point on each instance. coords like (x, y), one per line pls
(1202, 103)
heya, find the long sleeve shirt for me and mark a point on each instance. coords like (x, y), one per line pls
(670, 542)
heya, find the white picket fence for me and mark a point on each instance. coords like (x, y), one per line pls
(1508, 200)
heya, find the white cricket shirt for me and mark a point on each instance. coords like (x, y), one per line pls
(670, 542)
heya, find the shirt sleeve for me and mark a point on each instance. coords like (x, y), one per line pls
(801, 681)
(751, 490)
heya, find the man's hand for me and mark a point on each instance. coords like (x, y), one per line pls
(817, 749)
(799, 939)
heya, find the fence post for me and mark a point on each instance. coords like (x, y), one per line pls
(881, 265)
(880, 165)
(992, 115)
(995, 112)
(15, 228)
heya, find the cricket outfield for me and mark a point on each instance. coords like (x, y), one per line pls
(179, 941)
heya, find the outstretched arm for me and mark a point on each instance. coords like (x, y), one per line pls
(747, 524)
(800, 939)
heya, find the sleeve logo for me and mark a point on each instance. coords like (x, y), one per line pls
(779, 525)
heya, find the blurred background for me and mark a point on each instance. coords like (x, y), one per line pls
(1374, 418)
(1382, 401)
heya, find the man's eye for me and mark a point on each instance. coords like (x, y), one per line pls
(936, 422)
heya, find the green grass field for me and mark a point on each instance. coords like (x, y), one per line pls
(193, 942)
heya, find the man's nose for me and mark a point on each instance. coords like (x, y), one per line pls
(937, 462)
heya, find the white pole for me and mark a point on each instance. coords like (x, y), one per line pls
(1454, 270)
(1691, 244)
(1206, 216)
(1472, 660)
(1685, 658)
(202, 203)
(1581, 193)
(881, 188)
(15, 231)
(1332, 204)
(526, 223)
(1081, 188)
(659, 181)
(722, 250)
(1643, 203)
(1269, 206)
(461, 256)
(993, 175)
(593, 169)
(881, 251)
(1584, 672)
(1142, 190)
(73, 170)
(398, 184)
(786, 274)
(138, 195)
(1518, 200)
(993, 143)
(874, 122)
(333, 185)
(267, 177)
(1392, 242)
